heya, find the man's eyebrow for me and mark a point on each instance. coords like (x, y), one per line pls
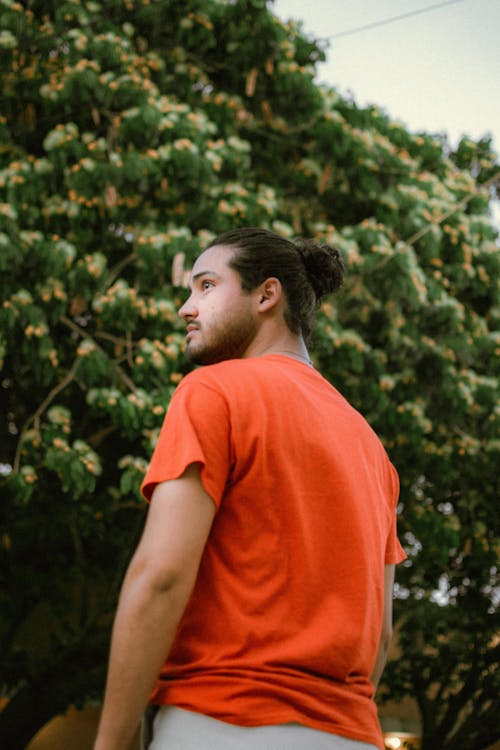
(205, 273)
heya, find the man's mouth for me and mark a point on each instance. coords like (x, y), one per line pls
(190, 328)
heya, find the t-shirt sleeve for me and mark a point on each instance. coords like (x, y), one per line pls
(394, 552)
(196, 430)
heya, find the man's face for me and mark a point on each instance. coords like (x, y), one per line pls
(220, 316)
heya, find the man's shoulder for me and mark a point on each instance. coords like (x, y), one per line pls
(221, 374)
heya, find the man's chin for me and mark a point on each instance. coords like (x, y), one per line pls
(198, 356)
(205, 357)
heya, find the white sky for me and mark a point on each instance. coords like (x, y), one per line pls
(438, 71)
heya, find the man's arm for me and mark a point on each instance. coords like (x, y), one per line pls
(386, 634)
(154, 594)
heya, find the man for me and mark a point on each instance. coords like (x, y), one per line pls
(256, 610)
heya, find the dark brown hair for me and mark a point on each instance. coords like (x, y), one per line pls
(306, 269)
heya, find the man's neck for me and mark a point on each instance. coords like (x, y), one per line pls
(287, 344)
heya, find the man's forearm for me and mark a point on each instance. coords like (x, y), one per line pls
(145, 625)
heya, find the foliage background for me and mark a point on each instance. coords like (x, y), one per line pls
(131, 132)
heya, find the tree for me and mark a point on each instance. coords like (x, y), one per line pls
(131, 133)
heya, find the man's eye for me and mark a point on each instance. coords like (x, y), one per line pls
(206, 285)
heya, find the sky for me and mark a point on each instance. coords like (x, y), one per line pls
(438, 71)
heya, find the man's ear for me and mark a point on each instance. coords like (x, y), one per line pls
(270, 293)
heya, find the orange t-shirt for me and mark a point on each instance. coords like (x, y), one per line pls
(284, 621)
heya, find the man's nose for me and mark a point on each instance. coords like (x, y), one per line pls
(188, 309)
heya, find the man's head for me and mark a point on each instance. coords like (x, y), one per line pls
(246, 276)
(220, 314)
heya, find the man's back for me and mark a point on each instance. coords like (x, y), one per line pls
(284, 621)
(265, 569)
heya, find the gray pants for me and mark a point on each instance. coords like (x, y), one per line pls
(176, 729)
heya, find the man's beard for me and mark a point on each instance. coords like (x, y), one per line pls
(228, 340)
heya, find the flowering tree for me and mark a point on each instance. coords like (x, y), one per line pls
(131, 133)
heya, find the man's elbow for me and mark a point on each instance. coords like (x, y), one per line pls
(155, 577)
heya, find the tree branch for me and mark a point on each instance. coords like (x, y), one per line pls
(461, 204)
(85, 335)
(43, 406)
(116, 270)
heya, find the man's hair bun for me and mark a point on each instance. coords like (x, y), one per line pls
(324, 266)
